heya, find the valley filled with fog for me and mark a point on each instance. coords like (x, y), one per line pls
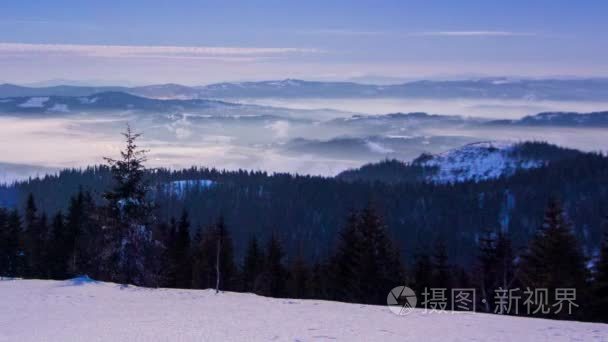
(306, 136)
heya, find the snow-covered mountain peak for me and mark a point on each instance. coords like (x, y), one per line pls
(477, 161)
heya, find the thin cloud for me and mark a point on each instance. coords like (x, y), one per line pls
(136, 51)
(473, 34)
(343, 32)
(357, 32)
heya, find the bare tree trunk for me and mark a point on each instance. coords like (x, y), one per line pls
(217, 265)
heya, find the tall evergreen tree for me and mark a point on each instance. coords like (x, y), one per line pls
(253, 266)
(9, 243)
(380, 260)
(212, 245)
(599, 311)
(441, 276)
(129, 217)
(554, 258)
(494, 268)
(202, 246)
(298, 283)
(18, 260)
(275, 274)
(59, 248)
(366, 265)
(34, 236)
(422, 273)
(85, 239)
(181, 261)
(345, 262)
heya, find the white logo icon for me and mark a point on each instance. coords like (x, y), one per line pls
(401, 300)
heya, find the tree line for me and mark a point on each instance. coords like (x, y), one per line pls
(123, 240)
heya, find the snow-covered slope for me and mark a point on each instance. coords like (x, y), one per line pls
(84, 310)
(477, 161)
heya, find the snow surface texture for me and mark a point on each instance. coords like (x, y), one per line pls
(82, 309)
(478, 161)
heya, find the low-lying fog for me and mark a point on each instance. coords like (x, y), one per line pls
(483, 108)
(32, 145)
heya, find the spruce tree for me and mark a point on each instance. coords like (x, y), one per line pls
(253, 266)
(202, 249)
(298, 283)
(554, 258)
(599, 297)
(275, 274)
(366, 265)
(9, 245)
(206, 255)
(18, 260)
(345, 262)
(59, 249)
(441, 276)
(423, 272)
(180, 253)
(85, 238)
(35, 234)
(494, 267)
(129, 217)
(381, 267)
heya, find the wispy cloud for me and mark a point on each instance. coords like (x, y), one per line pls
(473, 34)
(343, 32)
(137, 51)
(458, 33)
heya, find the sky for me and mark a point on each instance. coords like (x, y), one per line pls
(197, 42)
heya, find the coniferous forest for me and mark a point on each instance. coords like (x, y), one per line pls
(311, 237)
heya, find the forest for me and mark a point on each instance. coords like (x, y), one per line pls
(311, 237)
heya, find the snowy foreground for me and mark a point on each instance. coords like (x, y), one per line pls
(84, 310)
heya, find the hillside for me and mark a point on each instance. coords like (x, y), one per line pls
(81, 309)
(472, 162)
(416, 213)
(559, 119)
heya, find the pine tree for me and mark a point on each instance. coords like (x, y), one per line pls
(554, 258)
(9, 244)
(275, 275)
(84, 236)
(345, 262)
(253, 266)
(495, 267)
(18, 260)
(181, 260)
(210, 246)
(381, 267)
(35, 233)
(298, 283)
(366, 265)
(59, 249)
(319, 282)
(423, 272)
(202, 249)
(599, 301)
(441, 276)
(129, 217)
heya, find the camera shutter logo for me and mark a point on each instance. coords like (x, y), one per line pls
(401, 300)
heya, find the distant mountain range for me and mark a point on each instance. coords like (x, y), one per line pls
(566, 119)
(487, 88)
(122, 101)
(115, 101)
(418, 119)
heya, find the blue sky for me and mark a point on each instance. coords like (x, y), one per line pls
(198, 42)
